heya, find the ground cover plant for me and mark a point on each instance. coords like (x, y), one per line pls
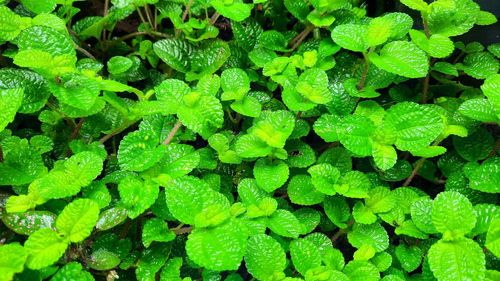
(237, 140)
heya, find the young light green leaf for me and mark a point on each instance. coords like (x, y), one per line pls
(270, 175)
(156, 229)
(402, 58)
(137, 195)
(10, 101)
(457, 260)
(228, 245)
(302, 192)
(305, 255)
(77, 219)
(12, 259)
(453, 214)
(284, 223)
(369, 234)
(351, 37)
(264, 257)
(44, 248)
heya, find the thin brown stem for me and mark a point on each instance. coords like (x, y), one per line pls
(148, 15)
(362, 81)
(214, 18)
(414, 172)
(105, 13)
(83, 51)
(425, 90)
(155, 18)
(301, 37)
(182, 230)
(76, 131)
(174, 130)
(495, 149)
(426, 28)
(184, 16)
(342, 231)
(141, 16)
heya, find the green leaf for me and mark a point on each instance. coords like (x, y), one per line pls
(486, 177)
(479, 109)
(273, 128)
(36, 90)
(373, 235)
(385, 156)
(39, 7)
(284, 223)
(313, 85)
(491, 89)
(48, 39)
(457, 260)
(227, 246)
(188, 196)
(174, 52)
(12, 258)
(139, 151)
(452, 18)
(44, 248)
(415, 125)
(169, 92)
(355, 133)
(137, 195)
(421, 215)
(361, 271)
(324, 177)
(354, 184)
(248, 106)
(201, 113)
(402, 58)
(337, 210)
(235, 84)
(419, 5)
(28, 222)
(111, 218)
(264, 257)
(77, 219)
(270, 175)
(486, 213)
(156, 229)
(301, 191)
(172, 270)
(480, 65)
(410, 257)
(379, 30)
(103, 260)
(298, 9)
(380, 200)
(475, 146)
(72, 271)
(11, 24)
(10, 100)
(305, 255)
(351, 37)
(235, 10)
(119, 65)
(437, 46)
(493, 237)
(453, 214)
(208, 58)
(76, 172)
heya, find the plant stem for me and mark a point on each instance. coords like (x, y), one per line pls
(182, 230)
(184, 16)
(425, 90)
(362, 82)
(214, 18)
(414, 172)
(83, 51)
(76, 131)
(141, 16)
(174, 130)
(342, 231)
(300, 37)
(148, 15)
(117, 131)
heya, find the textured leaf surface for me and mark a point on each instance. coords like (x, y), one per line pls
(77, 219)
(219, 248)
(457, 260)
(402, 58)
(453, 214)
(44, 247)
(12, 258)
(264, 256)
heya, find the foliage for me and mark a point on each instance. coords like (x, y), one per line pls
(247, 140)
